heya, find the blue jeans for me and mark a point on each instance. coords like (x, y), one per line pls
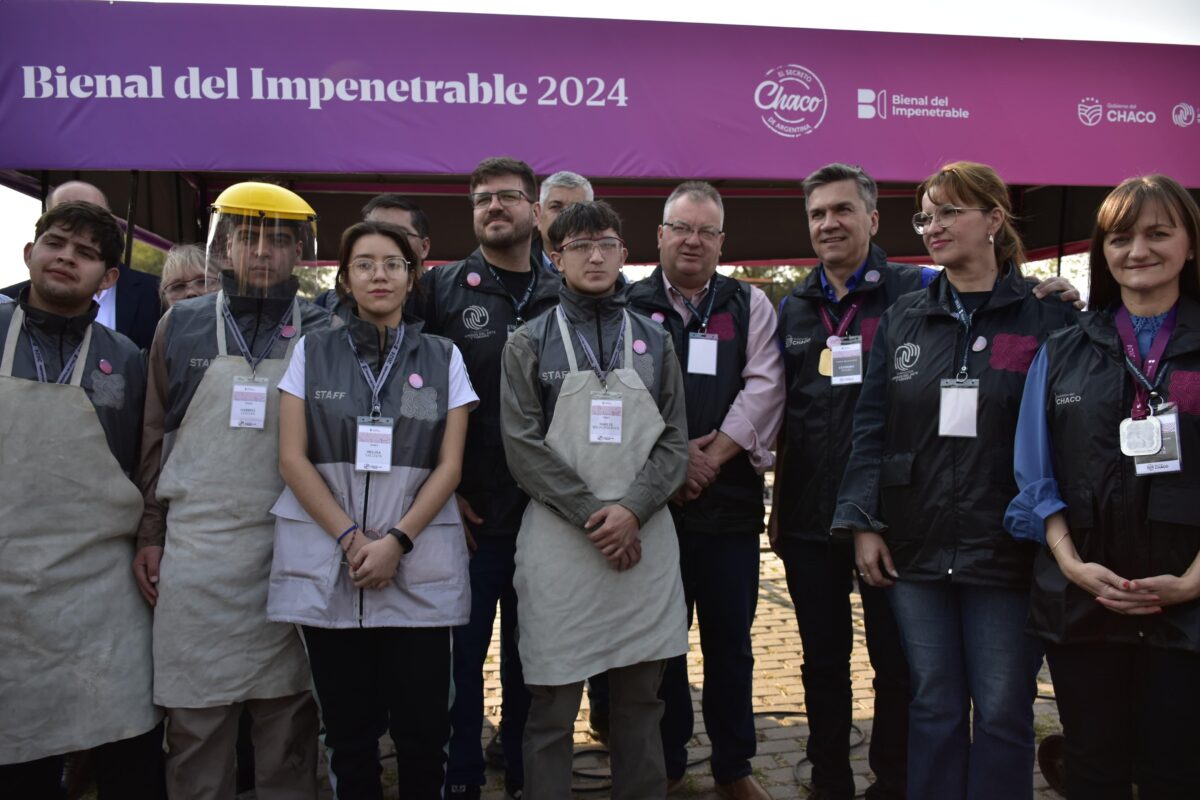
(966, 646)
(491, 582)
(720, 582)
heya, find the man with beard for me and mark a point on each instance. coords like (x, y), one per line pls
(478, 303)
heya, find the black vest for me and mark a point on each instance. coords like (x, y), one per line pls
(336, 392)
(818, 415)
(1137, 526)
(734, 503)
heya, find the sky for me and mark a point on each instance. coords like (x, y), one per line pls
(1159, 21)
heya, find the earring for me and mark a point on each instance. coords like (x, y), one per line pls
(991, 238)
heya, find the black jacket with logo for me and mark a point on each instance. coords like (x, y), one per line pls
(734, 502)
(940, 501)
(818, 415)
(1137, 526)
(477, 319)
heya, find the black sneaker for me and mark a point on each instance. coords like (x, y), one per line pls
(514, 790)
(460, 792)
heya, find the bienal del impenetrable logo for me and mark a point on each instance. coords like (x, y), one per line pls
(794, 99)
(1090, 111)
(475, 317)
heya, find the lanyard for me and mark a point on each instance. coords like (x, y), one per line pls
(965, 319)
(518, 305)
(1145, 375)
(591, 354)
(40, 364)
(241, 340)
(376, 383)
(712, 298)
(843, 323)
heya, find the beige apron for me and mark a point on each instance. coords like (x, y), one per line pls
(213, 644)
(579, 616)
(74, 630)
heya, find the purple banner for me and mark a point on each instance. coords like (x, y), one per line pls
(88, 85)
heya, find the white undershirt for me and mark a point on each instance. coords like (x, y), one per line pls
(107, 315)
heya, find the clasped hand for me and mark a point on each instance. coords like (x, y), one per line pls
(613, 530)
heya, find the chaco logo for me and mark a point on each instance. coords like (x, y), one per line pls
(475, 317)
(906, 356)
(1067, 399)
(795, 98)
(1090, 111)
(1183, 114)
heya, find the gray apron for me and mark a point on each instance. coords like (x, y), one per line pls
(75, 638)
(213, 644)
(579, 616)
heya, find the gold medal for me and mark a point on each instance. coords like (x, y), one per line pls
(825, 365)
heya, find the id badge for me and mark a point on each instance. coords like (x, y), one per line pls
(1168, 458)
(702, 353)
(511, 330)
(373, 445)
(846, 359)
(607, 413)
(959, 408)
(248, 406)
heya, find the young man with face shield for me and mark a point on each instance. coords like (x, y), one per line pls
(75, 643)
(210, 475)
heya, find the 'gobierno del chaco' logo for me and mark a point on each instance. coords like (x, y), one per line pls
(1090, 111)
(794, 98)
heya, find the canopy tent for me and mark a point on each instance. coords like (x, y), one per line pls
(341, 104)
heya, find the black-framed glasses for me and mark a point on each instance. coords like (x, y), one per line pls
(707, 233)
(607, 245)
(507, 197)
(943, 217)
(365, 267)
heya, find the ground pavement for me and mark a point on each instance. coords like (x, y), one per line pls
(778, 693)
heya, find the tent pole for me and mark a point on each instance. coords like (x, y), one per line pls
(1062, 229)
(131, 210)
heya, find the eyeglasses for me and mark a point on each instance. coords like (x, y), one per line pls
(507, 197)
(944, 217)
(707, 233)
(365, 267)
(181, 288)
(608, 246)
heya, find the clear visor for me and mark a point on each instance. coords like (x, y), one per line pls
(257, 253)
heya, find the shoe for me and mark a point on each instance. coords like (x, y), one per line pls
(675, 784)
(493, 754)
(746, 788)
(460, 792)
(598, 723)
(513, 790)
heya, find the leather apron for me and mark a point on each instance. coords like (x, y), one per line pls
(213, 644)
(75, 638)
(579, 616)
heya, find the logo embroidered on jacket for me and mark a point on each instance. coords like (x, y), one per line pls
(475, 317)
(905, 359)
(1067, 399)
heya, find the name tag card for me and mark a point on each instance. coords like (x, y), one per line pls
(1168, 457)
(702, 353)
(248, 406)
(607, 413)
(373, 444)
(847, 361)
(511, 330)
(959, 408)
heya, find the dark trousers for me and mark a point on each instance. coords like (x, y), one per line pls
(372, 680)
(131, 769)
(820, 579)
(720, 582)
(491, 572)
(1129, 716)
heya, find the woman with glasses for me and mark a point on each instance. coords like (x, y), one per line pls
(1106, 457)
(929, 478)
(370, 557)
(186, 274)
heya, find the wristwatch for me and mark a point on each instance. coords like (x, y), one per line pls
(406, 544)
